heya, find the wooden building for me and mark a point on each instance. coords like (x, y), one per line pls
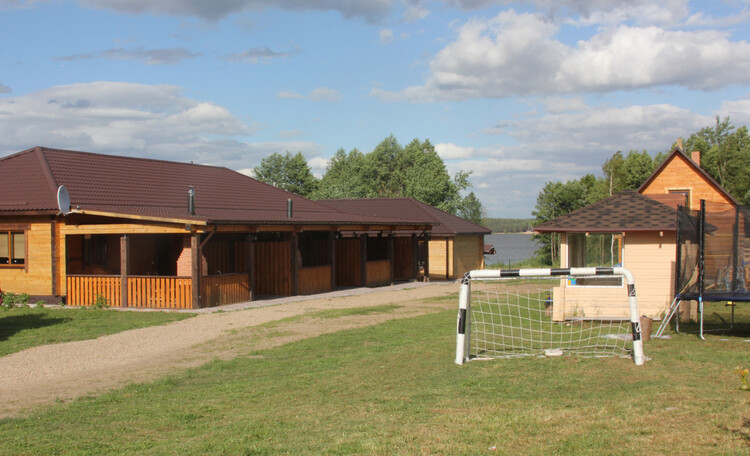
(149, 233)
(455, 245)
(640, 229)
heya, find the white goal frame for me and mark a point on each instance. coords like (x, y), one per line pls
(463, 339)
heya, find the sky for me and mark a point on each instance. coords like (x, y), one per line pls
(519, 93)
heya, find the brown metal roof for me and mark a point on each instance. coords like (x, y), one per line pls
(408, 209)
(140, 187)
(625, 211)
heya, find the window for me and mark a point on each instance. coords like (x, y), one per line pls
(595, 250)
(12, 248)
(685, 193)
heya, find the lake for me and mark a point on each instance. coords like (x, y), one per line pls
(511, 246)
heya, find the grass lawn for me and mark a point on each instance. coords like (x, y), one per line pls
(394, 389)
(25, 327)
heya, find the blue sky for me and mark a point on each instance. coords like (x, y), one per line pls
(519, 93)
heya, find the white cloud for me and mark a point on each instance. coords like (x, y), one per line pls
(450, 151)
(386, 36)
(318, 94)
(167, 56)
(154, 121)
(518, 54)
(260, 55)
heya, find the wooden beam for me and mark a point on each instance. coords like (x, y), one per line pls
(142, 217)
(414, 259)
(53, 254)
(195, 270)
(124, 269)
(390, 255)
(250, 262)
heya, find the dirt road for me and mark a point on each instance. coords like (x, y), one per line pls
(61, 372)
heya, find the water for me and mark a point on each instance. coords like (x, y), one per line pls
(511, 246)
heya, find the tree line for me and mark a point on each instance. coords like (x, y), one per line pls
(725, 156)
(390, 170)
(508, 225)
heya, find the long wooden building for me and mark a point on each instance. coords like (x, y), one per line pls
(453, 247)
(83, 227)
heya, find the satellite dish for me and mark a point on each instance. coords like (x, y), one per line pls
(63, 199)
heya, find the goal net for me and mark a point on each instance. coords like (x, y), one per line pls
(508, 314)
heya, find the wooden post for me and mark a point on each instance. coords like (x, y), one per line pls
(414, 257)
(53, 255)
(426, 253)
(332, 240)
(390, 255)
(250, 263)
(195, 269)
(447, 260)
(363, 255)
(124, 269)
(295, 263)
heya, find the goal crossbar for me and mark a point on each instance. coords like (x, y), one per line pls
(464, 311)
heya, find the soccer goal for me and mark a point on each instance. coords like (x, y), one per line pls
(507, 314)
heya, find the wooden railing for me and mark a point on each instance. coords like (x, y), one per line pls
(313, 280)
(143, 291)
(85, 290)
(378, 272)
(218, 290)
(160, 292)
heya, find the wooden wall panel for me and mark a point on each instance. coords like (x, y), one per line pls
(348, 262)
(402, 258)
(313, 280)
(468, 254)
(35, 278)
(273, 268)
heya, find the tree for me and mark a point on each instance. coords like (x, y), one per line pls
(471, 209)
(554, 200)
(390, 170)
(288, 172)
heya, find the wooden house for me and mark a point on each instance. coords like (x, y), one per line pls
(639, 230)
(455, 245)
(149, 233)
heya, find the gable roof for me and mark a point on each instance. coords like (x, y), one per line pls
(625, 211)
(407, 209)
(677, 153)
(154, 189)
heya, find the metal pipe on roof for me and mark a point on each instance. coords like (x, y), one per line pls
(191, 200)
(289, 208)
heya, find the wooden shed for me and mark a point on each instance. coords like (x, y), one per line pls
(455, 245)
(639, 228)
(149, 233)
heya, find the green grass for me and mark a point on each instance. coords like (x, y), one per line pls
(393, 389)
(25, 327)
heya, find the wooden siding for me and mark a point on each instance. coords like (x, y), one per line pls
(468, 254)
(273, 268)
(679, 175)
(649, 256)
(219, 290)
(313, 280)
(441, 258)
(378, 273)
(34, 277)
(348, 262)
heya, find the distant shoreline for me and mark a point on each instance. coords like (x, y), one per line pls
(513, 232)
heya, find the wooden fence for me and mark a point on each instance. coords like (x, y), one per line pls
(218, 290)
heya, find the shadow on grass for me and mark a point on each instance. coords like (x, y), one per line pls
(12, 324)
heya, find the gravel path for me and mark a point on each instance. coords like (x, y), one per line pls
(60, 372)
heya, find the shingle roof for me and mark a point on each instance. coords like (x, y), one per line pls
(408, 209)
(625, 211)
(153, 188)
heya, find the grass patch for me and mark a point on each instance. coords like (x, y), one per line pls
(25, 327)
(393, 389)
(354, 311)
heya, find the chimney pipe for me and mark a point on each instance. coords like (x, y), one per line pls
(289, 208)
(191, 200)
(696, 157)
